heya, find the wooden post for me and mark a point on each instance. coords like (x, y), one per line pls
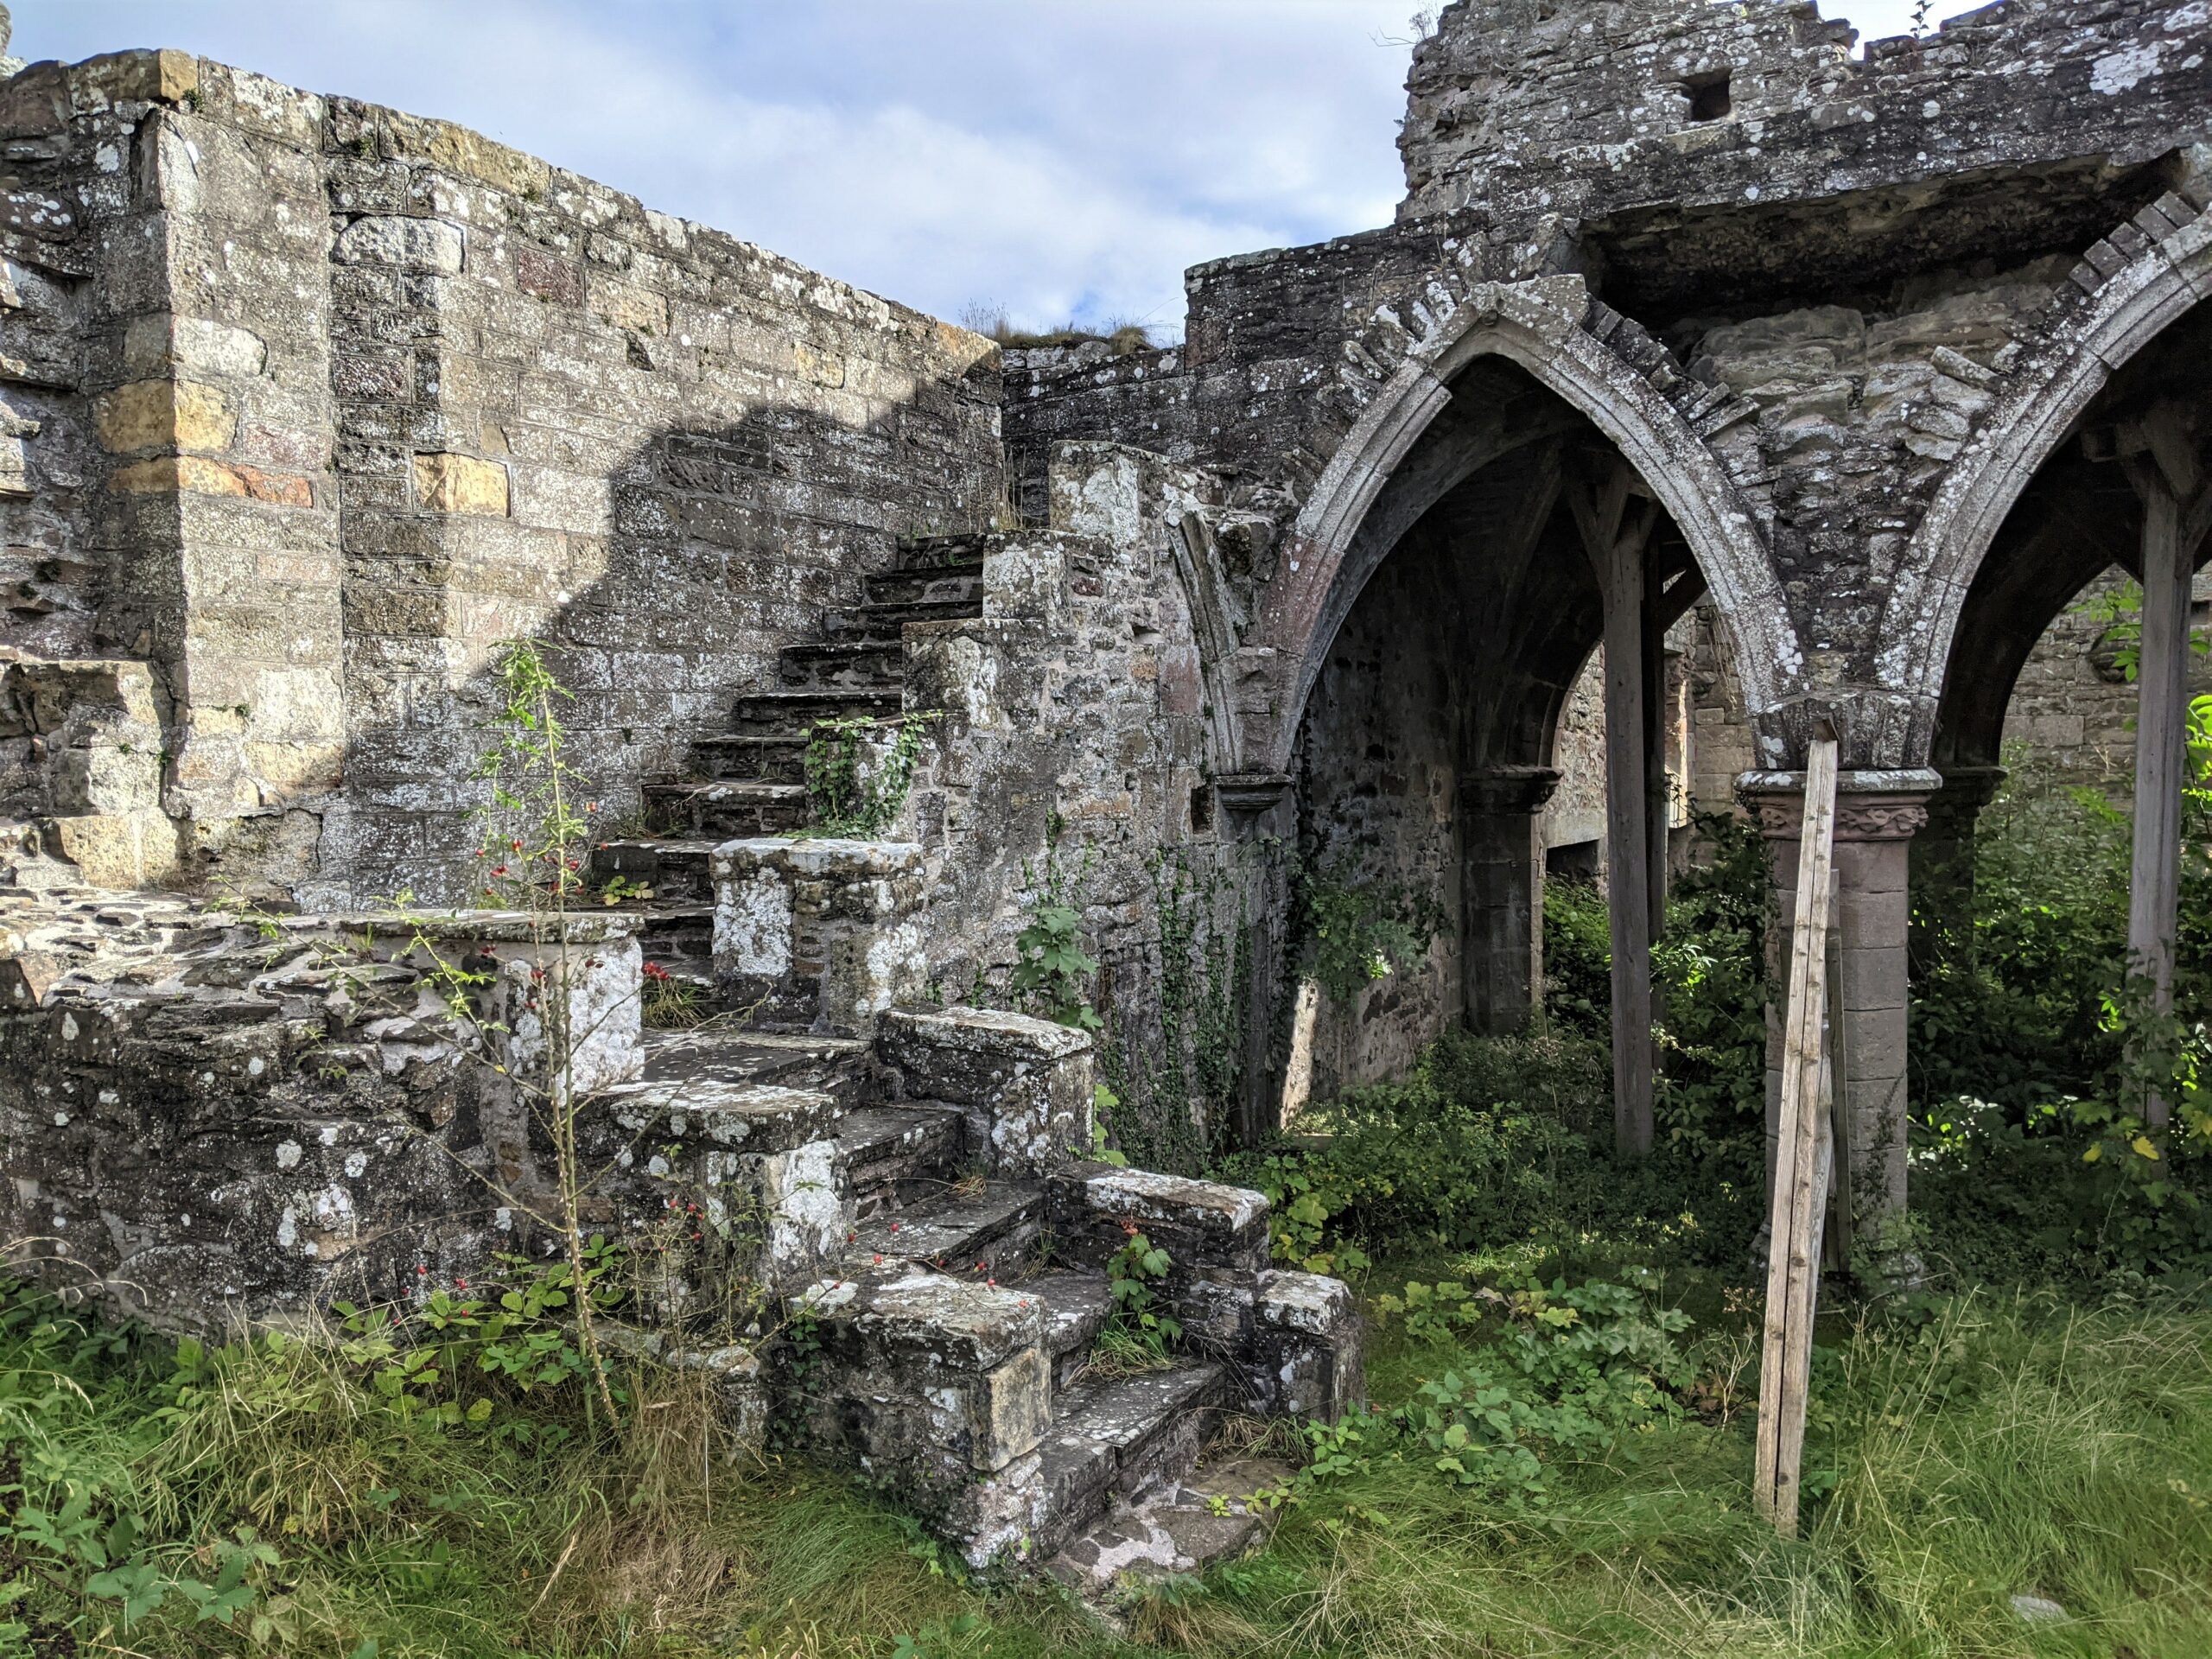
(1658, 801)
(2164, 473)
(1627, 863)
(2161, 751)
(1802, 1162)
(1615, 543)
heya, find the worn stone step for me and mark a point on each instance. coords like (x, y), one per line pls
(752, 759)
(673, 867)
(727, 808)
(1216, 1514)
(788, 713)
(993, 1230)
(933, 585)
(886, 622)
(718, 1112)
(887, 1147)
(1113, 1438)
(836, 1066)
(1077, 1307)
(935, 552)
(856, 664)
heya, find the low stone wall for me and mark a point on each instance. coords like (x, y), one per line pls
(205, 1119)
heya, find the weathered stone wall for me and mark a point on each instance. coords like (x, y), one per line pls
(1378, 790)
(1841, 278)
(1080, 739)
(203, 1123)
(2073, 708)
(661, 449)
(332, 400)
(1513, 103)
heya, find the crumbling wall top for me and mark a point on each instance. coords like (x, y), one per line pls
(1584, 107)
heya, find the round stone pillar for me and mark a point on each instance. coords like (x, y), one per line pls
(1502, 894)
(1878, 814)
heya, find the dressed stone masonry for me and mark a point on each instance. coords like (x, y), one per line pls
(1809, 380)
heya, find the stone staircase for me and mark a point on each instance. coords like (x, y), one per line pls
(908, 1187)
(751, 780)
(915, 1205)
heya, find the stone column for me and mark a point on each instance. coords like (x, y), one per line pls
(1502, 891)
(1261, 809)
(1878, 813)
(1942, 867)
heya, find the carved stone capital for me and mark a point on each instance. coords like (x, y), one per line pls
(1776, 804)
(1259, 803)
(1967, 789)
(1507, 789)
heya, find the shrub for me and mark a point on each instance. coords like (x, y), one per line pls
(1491, 1142)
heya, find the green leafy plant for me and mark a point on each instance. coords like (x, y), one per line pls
(1053, 972)
(1139, 1334)
(621, 889)
(1358, 931)
(856, 782)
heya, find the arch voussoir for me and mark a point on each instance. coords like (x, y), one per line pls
(2100, 324)
(1613, 375)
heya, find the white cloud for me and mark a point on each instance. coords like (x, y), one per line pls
(1066, 160)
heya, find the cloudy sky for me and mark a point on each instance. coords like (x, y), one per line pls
(1056, 159)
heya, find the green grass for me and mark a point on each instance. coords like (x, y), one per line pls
(1981, 1445)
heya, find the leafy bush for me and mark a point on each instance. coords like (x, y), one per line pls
(2014, 1014)
(2032, 1050)
(1709, 981)
(1408, 1165)
(1489, 1143)
(1358, 930)
(1565, 1374)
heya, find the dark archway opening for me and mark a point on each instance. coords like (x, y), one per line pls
(1431, 742)
(2073, 638)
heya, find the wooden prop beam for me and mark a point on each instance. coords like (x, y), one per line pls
(1803, 1159)
(2163, 470)
(1617, 542)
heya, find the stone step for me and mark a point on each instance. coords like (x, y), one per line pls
(719, 1112)
(1077, 1307)
(788, 713)
(936, 585)
(934, 552)
(1119, 1438)
(726, 808)
(886, 1149)
(752, 759)
(843, 664)
(836, 1066)
(673, 867)
(885, 622)
(1217, 1513)
(990, 1231)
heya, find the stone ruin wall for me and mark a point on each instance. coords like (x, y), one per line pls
(330, 400)
(1839, 362)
